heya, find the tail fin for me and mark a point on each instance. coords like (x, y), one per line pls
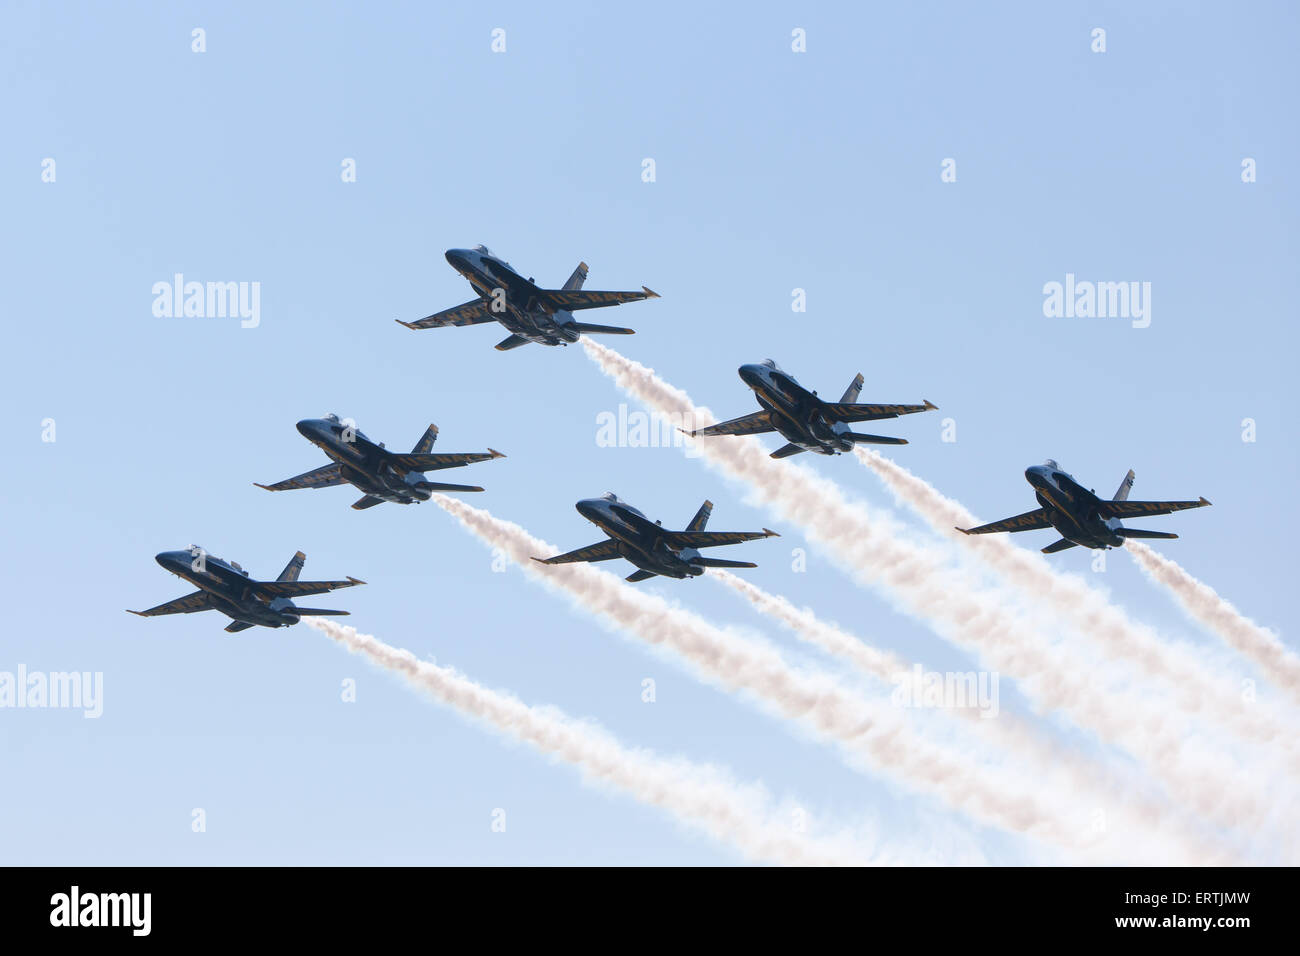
(293, 568)
(701, 519)
(576, 280)
(1138, 533)
(425, 444)
(1125, 486)
(853, 391)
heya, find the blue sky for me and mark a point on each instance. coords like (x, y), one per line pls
(774, 171)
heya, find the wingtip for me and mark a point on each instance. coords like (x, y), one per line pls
(409, 325)
(650, 293)
(355, 580)
(770, 533)
(542, 560)
(496, 454)
(1204, 501)
(258, 484)
(930, 405)
(136, 613)
(962, 530)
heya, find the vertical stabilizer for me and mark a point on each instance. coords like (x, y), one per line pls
(701, 518)
(1125, 486)
(576, 280)
(293, 568)
(425, 444)
(853, 391)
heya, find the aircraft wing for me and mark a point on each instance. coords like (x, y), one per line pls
(1029, 521)
(198, 601)
(292, 589)
(713, 539)
(322, 477)
(603, 551)
(470, 313)
(1135, 509)
(853, 412)
(436, 461)
(574, 300)
(755, 424)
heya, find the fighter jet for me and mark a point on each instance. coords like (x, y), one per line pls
(809, 423)
(226, 587)
(383, 475)
(645, 543)
(531, 314)
(1079, 515)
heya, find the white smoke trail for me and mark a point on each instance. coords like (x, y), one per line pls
(830, 638)
(1006, 732)
(1194, 680)
(694, 794)
(919, 580)
(1204, 604)
(999, 795)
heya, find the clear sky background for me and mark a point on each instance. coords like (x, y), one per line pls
(775, 171)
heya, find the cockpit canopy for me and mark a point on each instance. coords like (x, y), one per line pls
(343, 423)
(610, 496)
(484, 250)
(771, 363)
(1051, 463)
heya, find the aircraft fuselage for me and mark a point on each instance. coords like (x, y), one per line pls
(1073, 510)
(797, 413)
(516, 302)
(229, 588)
(364, 463)
(637, 541)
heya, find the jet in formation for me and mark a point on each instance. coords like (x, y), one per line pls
(226, 587)
(1079, 515)
(383, 475)
(806, 421)
(529, 313)
(645, 543)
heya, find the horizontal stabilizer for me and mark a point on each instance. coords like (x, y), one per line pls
(234, 627)
(723, 563)
(320, 612)
(859, 439)
(368, 501)
(1139, 533)
(1059, 546)
(639, 576)
(785, 451)
(601, 329)
(444, 486)
(511, 342)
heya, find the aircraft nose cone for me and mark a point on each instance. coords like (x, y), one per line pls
(1034, 475)
(312, 429)
(458, 259)
(171, 560)
(588, 507)
(749, 374)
